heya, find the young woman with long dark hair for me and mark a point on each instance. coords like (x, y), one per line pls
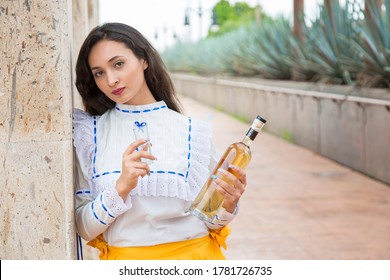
(133, 195)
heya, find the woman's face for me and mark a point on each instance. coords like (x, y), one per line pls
(119, 74)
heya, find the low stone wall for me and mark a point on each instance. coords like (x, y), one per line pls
(352, 130)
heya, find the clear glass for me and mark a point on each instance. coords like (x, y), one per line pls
(141, 132)
(208, 202)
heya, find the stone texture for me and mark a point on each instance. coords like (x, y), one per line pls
(35, 130)
(306, 122)
(93, 13)
(342, 132)
(80, 31)
(377, 141)
(35, 57)
(35, 200)
(85, 16)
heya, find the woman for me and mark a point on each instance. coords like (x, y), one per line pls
(127, 207)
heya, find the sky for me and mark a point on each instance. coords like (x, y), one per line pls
(165, 18)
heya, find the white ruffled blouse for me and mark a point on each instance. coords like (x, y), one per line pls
(156, 211)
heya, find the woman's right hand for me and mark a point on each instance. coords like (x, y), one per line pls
(133, 167)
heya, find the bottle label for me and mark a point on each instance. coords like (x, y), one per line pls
(251, 134)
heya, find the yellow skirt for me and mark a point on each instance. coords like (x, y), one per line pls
(204, 248)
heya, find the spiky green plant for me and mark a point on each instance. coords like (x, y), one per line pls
(373, 45)
(330, 39)
(303, 68)
(264, 50)
(274, 41)
(338, 47)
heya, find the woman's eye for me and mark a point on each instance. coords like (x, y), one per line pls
(98, 74)
(119, 64)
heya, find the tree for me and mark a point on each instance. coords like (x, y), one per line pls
(298, 18)
(230, 17)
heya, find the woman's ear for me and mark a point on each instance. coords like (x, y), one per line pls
(146, 65)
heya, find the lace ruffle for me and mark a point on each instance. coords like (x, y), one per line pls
(83, 140)
(200, 156)
(114, 202)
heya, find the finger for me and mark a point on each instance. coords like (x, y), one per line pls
(133, 146)
(141, 154)
(131, 164)
(222, 191)
(144, 147)
(229, 178)
(227, 188)
(140, 172)
(136, 172)
(143, 171)
(238, 172)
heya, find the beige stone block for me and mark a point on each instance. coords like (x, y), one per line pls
(4, 112)
(35, 71)
(80, 32)
(37, 201)
(93, 13)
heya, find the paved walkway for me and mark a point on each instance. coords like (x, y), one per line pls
(300, 205)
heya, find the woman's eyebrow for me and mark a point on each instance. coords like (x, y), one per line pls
(111, 59)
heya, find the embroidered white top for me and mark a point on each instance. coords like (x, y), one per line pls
(156, 211)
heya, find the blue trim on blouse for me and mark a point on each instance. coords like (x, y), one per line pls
(151, 172)
(83, 192)
(95, 215)
(95, 142)
(189, 147)
(140, 111)
(104, 207)
(105, 173)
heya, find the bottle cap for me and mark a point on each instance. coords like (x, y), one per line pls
(258, 123)
(261, 119)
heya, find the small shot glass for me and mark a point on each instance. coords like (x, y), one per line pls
(140, 130)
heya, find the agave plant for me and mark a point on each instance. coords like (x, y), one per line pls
(373, 44)
(203, 57)
(275, 48)
(303, 66)
(331, 37)
(176, 58)
(244, 60)
(338, 47)
(267, 49)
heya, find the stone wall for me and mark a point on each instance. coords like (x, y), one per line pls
(352, 129)
(36, 157)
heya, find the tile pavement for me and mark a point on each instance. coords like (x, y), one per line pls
(299, 205)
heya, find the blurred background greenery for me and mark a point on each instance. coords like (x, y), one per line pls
(346, 43)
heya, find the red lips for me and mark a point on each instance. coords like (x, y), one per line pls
(118, 91)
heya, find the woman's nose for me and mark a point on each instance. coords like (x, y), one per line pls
(112, 79)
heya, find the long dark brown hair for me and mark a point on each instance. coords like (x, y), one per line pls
(156, 75)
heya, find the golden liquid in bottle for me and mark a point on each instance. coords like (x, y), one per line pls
(208, 202)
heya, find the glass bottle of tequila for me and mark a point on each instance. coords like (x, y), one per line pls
(208, 202)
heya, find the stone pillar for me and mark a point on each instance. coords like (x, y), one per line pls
(85, 17)
(93, 13)
(80, 31)
(36, 174)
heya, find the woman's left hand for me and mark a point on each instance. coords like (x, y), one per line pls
(231, 184)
